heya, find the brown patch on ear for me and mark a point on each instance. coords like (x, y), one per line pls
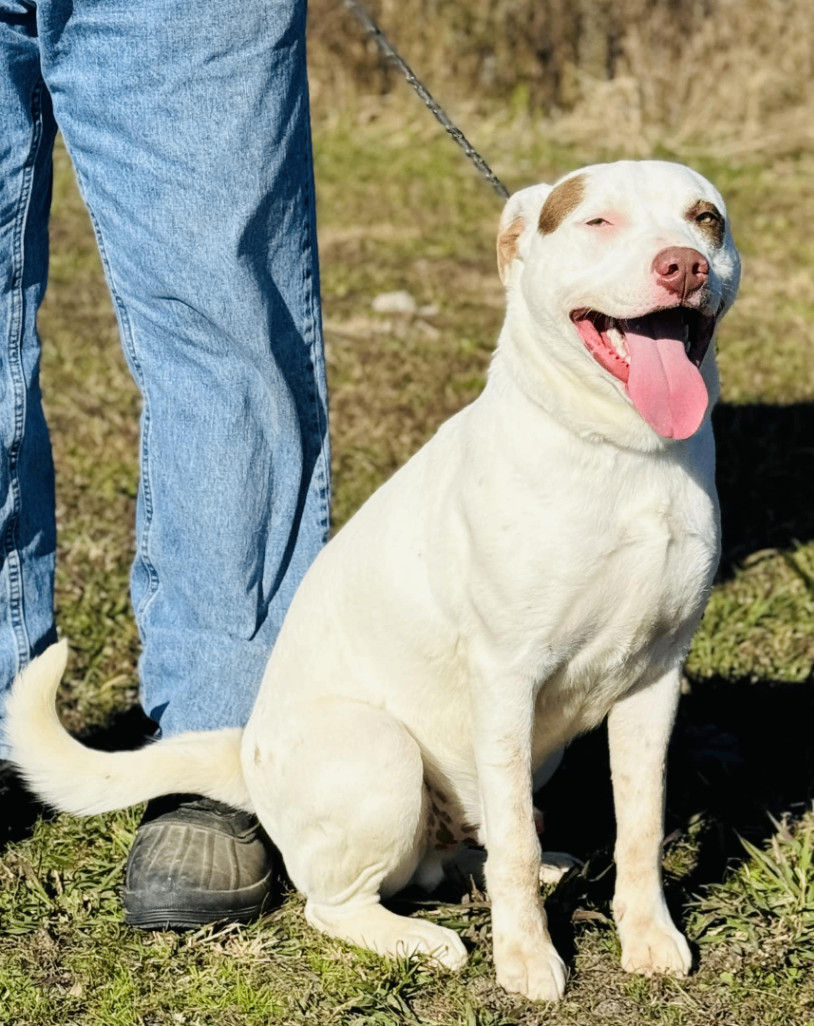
(709, 220)
(562, 199)
(507, 245)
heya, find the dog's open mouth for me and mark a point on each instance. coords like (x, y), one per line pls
(657, 357)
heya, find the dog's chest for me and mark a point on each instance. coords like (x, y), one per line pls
(591, 568)
(646, 575)
(637, 591)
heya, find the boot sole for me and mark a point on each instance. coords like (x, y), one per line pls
(188, 919)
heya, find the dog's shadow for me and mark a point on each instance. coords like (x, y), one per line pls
(765, 473)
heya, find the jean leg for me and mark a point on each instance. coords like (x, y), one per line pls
(27, 529)
(189, 129)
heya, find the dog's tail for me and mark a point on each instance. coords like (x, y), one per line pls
(71, 777)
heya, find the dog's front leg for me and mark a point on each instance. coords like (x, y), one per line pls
(526, 961)
(639, 729)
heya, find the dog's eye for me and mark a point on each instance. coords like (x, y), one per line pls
(708, 217)
(595, 221)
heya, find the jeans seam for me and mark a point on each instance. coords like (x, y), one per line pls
(10, 544)
(128, 342)
(313, 326)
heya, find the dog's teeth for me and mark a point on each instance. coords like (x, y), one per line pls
(617, 340)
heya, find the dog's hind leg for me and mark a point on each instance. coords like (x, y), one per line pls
(339, 786)
(377, 928)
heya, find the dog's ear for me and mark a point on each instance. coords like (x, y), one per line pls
(522, 209)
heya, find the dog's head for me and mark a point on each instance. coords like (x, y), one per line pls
(620, 273)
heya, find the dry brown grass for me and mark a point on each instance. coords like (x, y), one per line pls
(688, 71)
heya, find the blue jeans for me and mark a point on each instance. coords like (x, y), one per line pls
(187, 122)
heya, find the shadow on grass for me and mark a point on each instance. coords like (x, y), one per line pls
(765, 478)
(19, 809)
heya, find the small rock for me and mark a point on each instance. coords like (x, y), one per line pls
(395, 303)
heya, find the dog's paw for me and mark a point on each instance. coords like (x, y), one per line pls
(437, 943)
(654, 949)
(537, 973)
(440, 945)
(555, 864)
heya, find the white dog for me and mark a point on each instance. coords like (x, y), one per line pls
(540, 564)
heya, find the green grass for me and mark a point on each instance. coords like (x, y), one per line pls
(765, 907)
(400, 209)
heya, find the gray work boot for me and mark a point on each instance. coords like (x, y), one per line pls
(196, 861)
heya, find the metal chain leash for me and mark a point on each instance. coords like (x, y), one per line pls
(390, 53)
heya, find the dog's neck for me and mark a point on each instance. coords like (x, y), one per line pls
(573, 393)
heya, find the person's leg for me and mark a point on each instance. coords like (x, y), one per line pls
(27, 532)
(188, 127)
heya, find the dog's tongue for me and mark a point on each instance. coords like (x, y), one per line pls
(664, 385)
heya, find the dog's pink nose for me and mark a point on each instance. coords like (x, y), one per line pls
(681, 270)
